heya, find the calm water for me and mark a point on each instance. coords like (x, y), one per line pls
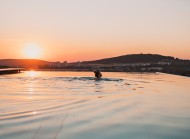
(72, 105)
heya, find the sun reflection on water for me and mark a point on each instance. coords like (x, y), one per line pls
(34, 113)
(32, 73)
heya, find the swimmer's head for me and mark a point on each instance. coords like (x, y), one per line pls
(97, 74)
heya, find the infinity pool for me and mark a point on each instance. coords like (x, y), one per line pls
(72, 105)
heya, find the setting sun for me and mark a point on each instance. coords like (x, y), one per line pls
(32, 50)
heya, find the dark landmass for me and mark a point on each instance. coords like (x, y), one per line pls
(23, 63)
(133, 58)
(125, 63)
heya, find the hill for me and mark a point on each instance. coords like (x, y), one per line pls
(22, 62)
(133, 58)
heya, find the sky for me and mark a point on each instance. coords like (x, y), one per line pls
(78, 30)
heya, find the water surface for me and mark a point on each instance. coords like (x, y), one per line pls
(72, 105)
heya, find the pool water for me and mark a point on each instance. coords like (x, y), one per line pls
(72, 105)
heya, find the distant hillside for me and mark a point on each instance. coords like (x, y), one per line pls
(22, 62)
(133, 58)
(125, 59)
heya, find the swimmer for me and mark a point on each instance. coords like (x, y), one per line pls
(98, 74)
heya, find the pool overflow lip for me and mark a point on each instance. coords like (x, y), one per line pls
(10, 71)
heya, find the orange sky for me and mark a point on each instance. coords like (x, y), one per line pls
(87, 30)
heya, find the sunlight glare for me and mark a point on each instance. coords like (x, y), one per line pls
(32, 73)
(32, 50)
